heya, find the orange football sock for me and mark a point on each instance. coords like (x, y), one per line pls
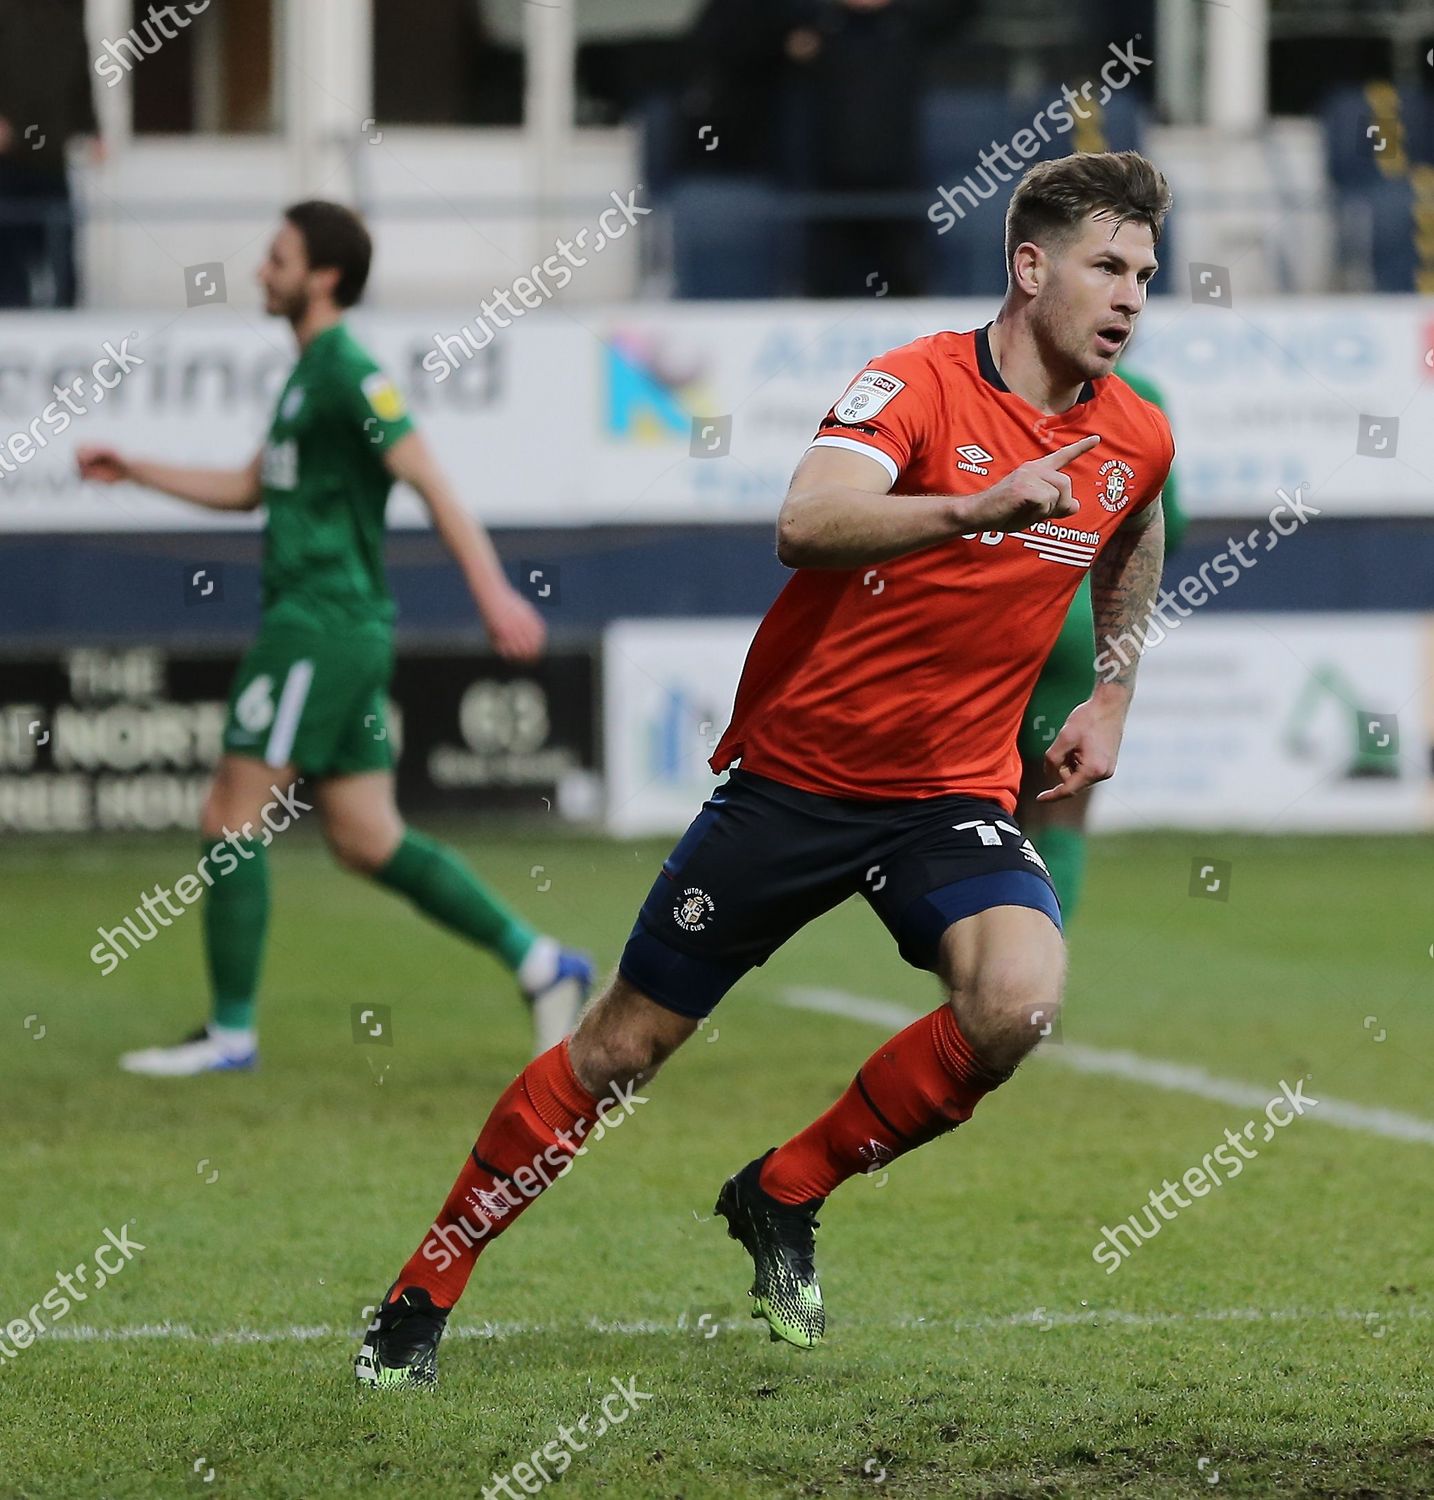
(923, 1082)
(529, 1140)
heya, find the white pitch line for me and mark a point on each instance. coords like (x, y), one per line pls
(1039, 1318)
(1176, 1078)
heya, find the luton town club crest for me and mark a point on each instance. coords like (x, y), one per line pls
(1116, 476)
(692, 912)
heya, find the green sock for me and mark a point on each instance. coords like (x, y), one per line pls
(236, 917)
(1063, 850)
(441, 886)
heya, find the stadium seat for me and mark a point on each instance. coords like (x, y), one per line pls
(1345, 115)
(968, 259)
(656, 121)
(1116, 125)
(1349, 114)
(1394, 251)
(957, 125)
(730, 238)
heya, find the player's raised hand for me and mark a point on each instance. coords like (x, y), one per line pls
(1038, 490)
(101, 465)
(515, 627)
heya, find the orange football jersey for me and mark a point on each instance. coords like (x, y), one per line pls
(909, 678)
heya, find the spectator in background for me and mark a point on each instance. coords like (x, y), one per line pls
(46, 101)
(455, 69)
(863, 67)
(736, 54)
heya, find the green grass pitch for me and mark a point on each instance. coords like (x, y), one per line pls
(1273, 1339)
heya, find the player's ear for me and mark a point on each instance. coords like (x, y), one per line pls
(1028, 265)
(328, 279)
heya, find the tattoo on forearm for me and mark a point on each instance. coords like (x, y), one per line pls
(1124, 583)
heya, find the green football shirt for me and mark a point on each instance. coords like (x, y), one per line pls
(1170, 495)
(325, 489)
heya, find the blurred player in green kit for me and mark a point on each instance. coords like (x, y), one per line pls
(1058, 828)
(309, 699)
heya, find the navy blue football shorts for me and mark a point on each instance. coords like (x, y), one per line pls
(763, 859)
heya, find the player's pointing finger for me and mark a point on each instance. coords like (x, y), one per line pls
(1062, 456)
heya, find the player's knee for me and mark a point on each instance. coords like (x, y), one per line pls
(1011, 1003)
(623, 1037)
(603, 1063)
(363, 851)
(221, 802)
(223, 816)
(604, 1056)
(211, 816)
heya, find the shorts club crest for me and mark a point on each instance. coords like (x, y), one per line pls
(692, 913)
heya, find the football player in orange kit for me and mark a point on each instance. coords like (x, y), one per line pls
(948, 508)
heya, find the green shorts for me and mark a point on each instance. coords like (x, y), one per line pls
(316, 699)
(1066, 680)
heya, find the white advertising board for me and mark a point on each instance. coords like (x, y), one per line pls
(668, 687)
(690, 412)
(1262, 723)
(1279, 724)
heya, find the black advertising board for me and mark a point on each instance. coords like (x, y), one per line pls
(110, 738)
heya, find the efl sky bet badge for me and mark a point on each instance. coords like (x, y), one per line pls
(383, 397)
(866, 395)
